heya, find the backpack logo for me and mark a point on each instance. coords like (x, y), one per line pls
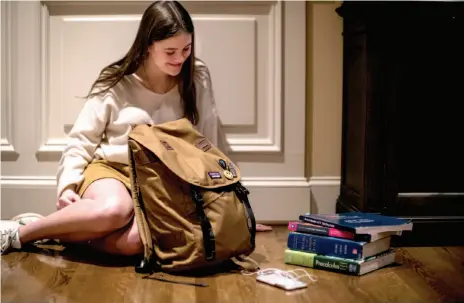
(166, 145)
(203, 144)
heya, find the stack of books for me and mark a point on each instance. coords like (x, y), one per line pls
(352, 243)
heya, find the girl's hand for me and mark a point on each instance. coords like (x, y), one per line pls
(67, 198)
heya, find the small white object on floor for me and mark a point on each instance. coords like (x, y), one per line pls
(287, 280)
(280, 281)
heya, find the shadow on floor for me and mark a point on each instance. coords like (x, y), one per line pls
(88, 255)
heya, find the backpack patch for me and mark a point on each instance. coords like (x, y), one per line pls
(214, 175)
(203, 144)
(232, 170)
(222, 163)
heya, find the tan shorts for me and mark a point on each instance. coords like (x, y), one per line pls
(100, 169)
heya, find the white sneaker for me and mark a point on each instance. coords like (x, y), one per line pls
(26, 218)
(9, 235)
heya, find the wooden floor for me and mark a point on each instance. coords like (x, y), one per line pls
(54, 275)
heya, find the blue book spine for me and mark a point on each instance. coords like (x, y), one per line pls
(328, 246)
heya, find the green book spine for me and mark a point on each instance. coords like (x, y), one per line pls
(315, 261)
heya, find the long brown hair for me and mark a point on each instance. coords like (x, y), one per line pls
(161, 20)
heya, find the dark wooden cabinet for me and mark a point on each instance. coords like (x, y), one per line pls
(403, 115)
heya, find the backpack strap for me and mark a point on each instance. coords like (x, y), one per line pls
(206, 228)
(242, 193)
(246, 263)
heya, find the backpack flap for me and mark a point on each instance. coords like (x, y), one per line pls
(187, 153)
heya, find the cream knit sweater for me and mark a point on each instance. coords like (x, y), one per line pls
(103, 125)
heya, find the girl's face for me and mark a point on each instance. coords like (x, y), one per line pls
(170, 54)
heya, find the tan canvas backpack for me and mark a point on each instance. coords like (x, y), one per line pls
(191, 209)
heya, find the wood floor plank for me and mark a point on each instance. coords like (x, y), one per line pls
(438, 270)
(28, 276)
(57, 274)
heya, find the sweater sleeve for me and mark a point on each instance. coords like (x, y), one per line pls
(209, 123)
(83, 140)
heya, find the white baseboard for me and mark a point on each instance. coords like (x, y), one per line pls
(274, 199)
(324, 194)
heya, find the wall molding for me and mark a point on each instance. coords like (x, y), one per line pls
(50, 181)
(7, 148)
(273, 143)
(50, 148)
(324, 181)
(28, 181)
(46, 147)
(324, 194)
(287, 197)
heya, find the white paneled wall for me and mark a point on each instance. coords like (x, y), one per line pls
(52, 51)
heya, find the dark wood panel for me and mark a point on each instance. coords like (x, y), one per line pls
(355, 63)
(402, 151)
(408, 204)
(430, 106)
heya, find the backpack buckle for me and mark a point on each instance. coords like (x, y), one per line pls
(241, 190)
(145, 267)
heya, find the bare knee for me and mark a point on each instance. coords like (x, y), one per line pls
(129, 242)
(115, 204)
(115, 212)
(133, 245)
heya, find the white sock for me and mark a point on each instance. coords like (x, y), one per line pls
(15, 243)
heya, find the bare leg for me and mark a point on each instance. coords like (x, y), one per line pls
(106, 207)
(125, 241)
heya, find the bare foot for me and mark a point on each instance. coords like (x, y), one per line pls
(262, 227)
